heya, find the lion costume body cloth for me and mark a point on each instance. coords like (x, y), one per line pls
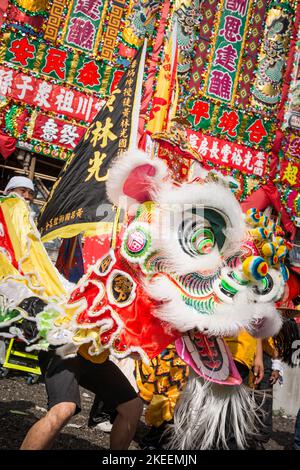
(189, 269)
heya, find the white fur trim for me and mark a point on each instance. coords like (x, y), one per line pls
(205, 410)
(266, 321)
(262, 320)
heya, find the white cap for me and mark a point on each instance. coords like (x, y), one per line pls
(19, 182)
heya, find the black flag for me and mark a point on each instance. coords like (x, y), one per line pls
(78, 200)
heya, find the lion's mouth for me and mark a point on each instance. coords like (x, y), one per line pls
(209, 357)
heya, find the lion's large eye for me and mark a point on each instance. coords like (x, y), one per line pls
(195, 238)
(270, 288)
(203, 240)
(265, 286)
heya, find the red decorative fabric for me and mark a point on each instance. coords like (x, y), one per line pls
(140, 328)
(138, 184)
(17, 15)
(268, 195)
(293, 286)
(5, 241)
(94, 248)
(7, 144)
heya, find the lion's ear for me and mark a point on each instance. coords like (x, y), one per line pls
(132, 178)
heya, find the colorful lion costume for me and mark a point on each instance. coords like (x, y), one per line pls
(188, 269)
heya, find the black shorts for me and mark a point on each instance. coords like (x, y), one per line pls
(63, 377)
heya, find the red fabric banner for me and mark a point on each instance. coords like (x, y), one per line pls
(47, 96)
(229, 154)
(7, 144)
(56, 131)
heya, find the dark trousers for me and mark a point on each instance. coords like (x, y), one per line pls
(297, 432)
(266, 402)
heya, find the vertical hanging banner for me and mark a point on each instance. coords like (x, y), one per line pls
(223, 74)
(83, 24)
(78, 199)
(165, 83)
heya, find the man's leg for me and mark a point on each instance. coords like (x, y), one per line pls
(111, 386)
(297, 432)
(266, 403)
(125, 424)
(62, 388)
(42, 434)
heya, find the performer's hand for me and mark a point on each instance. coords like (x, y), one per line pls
(274, 377)
(258, 364)
(258, 371)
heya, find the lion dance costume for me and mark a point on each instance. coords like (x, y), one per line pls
(188, 269)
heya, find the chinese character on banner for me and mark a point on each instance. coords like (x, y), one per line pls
(24, 86)
(43, 94)
(95, 167)
(203, 147)
(103, 133)
(228, 122)
(167, 67)
(112, 99)
(231, 31)
(64, 100)
(238, 6)
(22, 50)
(68, 135)
(6, 81)
(226, 152)
(256, 131)
(194, 141)
(200, 110)
(259, 164)
(220, 85)
(247, 161)
(50, 130)
(81, 33)
(55, 62)
(226, 57)
(89, 8)
(89, 75)
(84, 107)
(236, 157)
(214, 151)
(290, 174)
(57, 132)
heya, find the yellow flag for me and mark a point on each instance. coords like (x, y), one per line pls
(162, 96)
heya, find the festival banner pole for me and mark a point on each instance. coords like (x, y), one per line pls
(134, 128)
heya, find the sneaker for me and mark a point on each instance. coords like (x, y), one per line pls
(105, 426)
(97, 418)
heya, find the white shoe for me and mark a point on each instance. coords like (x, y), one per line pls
(105, 426)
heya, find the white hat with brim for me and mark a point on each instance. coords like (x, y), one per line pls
(19, 182)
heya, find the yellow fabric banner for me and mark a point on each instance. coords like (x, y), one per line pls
(161, 100)
(29, 251)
